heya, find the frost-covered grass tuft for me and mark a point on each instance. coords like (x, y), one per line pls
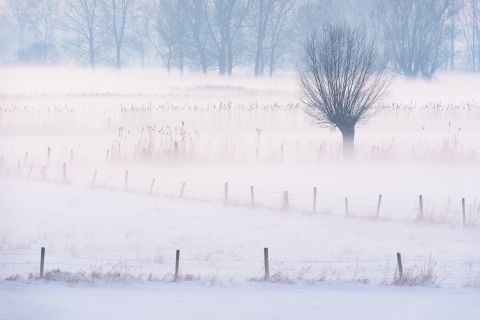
(425, 274)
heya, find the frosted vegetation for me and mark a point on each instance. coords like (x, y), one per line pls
(192, 135)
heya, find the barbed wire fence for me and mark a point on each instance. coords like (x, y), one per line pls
(394, 270)
(383, 271)
(377, 207)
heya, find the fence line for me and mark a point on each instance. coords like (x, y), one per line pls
(395, 270)
(287, 200)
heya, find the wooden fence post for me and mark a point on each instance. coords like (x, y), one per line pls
(43, 172)
(379, 203)
(182, 189)
(314, 199)
(94, 178)
(420, 208)
(252, 197)
(346, 207)
(175, 147)
(42, 261)
(64, 172)
(30, 171)
(226, 193)
(285, 205)
(463, 212)
(267, 266)
(400, 266)
(150, 191)
(177, 264)
(126, 180)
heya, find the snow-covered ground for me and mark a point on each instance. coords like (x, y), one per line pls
(108, 231)
(41, 301)
(79, 150)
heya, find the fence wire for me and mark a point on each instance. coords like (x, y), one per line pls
(426, 271)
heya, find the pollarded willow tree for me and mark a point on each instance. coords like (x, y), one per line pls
(342, 79)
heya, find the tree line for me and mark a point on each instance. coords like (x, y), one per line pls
(416, 37)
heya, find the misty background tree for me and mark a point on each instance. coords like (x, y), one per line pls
(269, 20)
(417, 34)
(83, 21)
(170, 33)
(342, 79)
(225, 20)
(260, 37)
(118, 13)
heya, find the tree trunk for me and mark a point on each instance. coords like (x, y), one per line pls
(258, 54)
(201, 49)
(91, 53)
(197, 28)
(20, 37)
(260, 36)
(222, 63)
(229, 53)
(452, 37)
(272, 59)
(142, 56)
(203, 62)
(169, 59)
(118, 60)
(474, 29)
(181, 59)
(348, 134)
(202, 55)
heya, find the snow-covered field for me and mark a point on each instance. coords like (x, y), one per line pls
(80, 149)
(134, 235)
(258, 301)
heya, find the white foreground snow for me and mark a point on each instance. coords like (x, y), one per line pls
(38, 301)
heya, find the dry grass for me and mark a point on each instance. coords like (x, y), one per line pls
(418, 275)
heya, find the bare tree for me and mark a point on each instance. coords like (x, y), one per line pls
(455, 7)
(342, 80)
(42, 23)
(270, 20)
(470, 27)
(118, 12)
(83, 21)
(19, 13)
(195, 11)
(224, 20)
(416, 33)
(418, 36)
(262, 9)
(139, 41)
(45, 19)
(475, 31)
(171, 32)
(279, 16)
